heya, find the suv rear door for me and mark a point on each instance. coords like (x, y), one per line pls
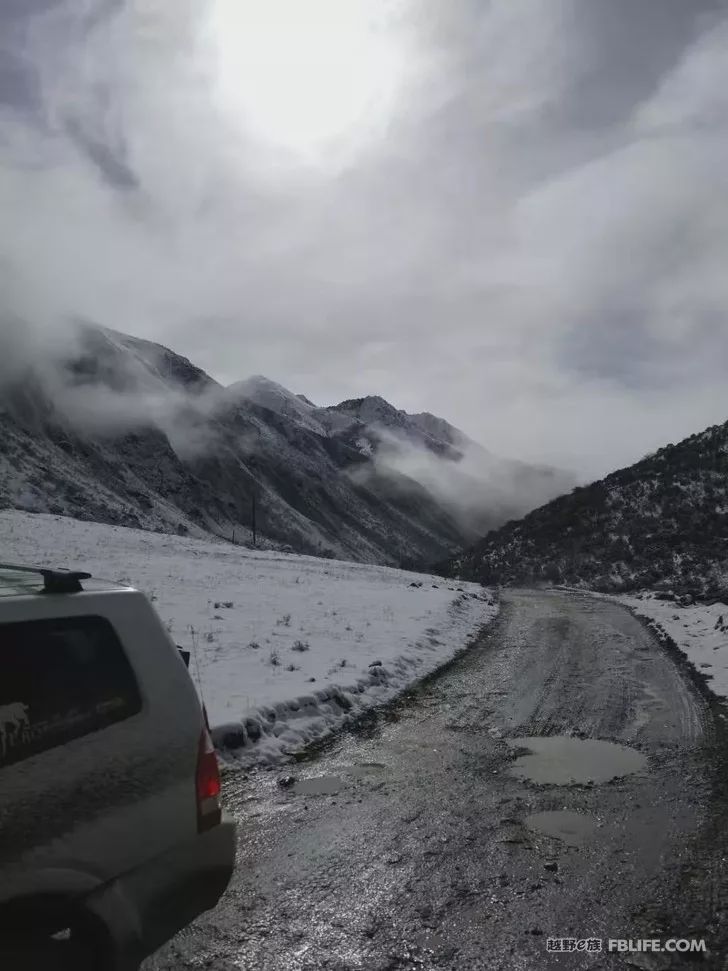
(100, 737)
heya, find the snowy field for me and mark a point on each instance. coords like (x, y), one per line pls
(285, 648)
(700, 631)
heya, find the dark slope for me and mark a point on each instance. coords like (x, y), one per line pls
(126, 432)
(662, 523)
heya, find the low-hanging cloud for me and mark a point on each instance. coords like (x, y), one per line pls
(99, 386)
(479, 490)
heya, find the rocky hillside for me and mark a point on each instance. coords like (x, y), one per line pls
(124, 431)
(480, 489)
(661, 524)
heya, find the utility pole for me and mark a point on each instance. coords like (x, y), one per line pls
(253, 464)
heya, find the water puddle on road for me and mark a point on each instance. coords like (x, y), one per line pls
(365, 770)
(329, 785)
(323, 785)
(562, 760)
(571, 828)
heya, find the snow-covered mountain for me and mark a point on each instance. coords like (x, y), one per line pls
(375, 420)
(660, 524)
(125, 431)
(358, 418)
(481, 490)
(268, 394)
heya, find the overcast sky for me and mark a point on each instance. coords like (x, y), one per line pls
(513, 214)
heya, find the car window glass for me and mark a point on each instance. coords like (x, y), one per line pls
(60, 680)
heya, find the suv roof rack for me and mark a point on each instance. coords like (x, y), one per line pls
(54, 581)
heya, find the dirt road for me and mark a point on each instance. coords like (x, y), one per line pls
(563, 779)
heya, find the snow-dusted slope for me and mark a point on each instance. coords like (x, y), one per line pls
(268, 394)
(126, 363)
(371, 416)
(479, 489)
(663, 523)
(358, 421)
(285, 648)
(125, 431)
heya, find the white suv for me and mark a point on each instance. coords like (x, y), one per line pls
(111, 831)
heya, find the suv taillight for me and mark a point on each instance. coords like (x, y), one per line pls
(209, 808)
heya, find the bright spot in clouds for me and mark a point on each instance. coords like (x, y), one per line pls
(307, 76)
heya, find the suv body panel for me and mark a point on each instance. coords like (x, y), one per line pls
(111, 816)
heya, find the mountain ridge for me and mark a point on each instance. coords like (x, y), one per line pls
(661, 524)
(124, 430)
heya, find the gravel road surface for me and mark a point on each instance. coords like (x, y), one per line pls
(565, 778)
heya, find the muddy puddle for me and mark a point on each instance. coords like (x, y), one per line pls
(365, 770)
(563, 760)
(324, 785)
(574, 829)
(329, 785)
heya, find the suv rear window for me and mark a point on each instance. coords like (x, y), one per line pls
(59, 680)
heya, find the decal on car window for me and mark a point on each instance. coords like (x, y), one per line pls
(14, 725)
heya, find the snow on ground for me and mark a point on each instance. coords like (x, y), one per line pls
(700, 631)
(286, 648)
